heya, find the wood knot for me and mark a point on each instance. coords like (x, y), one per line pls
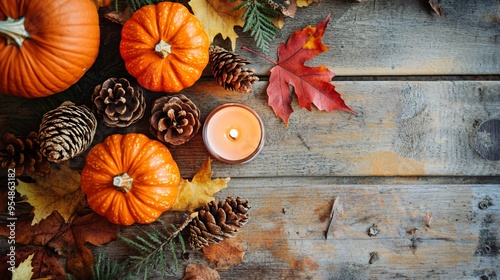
(487, 139)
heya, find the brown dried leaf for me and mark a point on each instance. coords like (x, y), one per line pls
(53, 238)
(436, 6)
(225, 254)
(200, 272)
(119, 17)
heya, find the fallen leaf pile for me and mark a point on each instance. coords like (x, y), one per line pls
(52, 239)
(54, 230)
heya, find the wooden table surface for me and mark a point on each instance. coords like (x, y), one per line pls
(422, 84)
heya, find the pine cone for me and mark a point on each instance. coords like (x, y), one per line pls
(227, 69)
(218, 221)
(66, 131)
(23, 154)
(174, 119)
(119, 103)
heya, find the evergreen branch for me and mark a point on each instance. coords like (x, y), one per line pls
(153, 247)
(104, 268)
(258, 16)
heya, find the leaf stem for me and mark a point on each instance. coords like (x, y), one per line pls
(259, 54)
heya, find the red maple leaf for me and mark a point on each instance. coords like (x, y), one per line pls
(312, 84)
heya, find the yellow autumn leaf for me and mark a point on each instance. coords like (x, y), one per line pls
(58, 191)
(24, 270)
(305, 3)
(200, 190)
(219, 16)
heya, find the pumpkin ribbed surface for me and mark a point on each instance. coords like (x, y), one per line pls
(165, 47)
(62, 44)
(153, 173)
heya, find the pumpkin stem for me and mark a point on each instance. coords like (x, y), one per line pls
(163, 49)
(13, 31)
(123, 182)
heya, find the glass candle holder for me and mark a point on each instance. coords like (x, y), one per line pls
(233, 133)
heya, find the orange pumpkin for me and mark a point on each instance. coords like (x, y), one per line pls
(47, 45)
(130, 179)
(165, 47)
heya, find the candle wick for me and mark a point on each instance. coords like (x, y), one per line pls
(233, 133)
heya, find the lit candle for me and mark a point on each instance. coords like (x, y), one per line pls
(233, 133)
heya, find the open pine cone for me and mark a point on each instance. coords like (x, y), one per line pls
(216, 221)
(174, 119)
(66, 131)
(23, 155)
(228, 69)
(118, 102)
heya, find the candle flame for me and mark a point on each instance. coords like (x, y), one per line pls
(233, 133)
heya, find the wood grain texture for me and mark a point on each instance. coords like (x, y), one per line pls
(398, 37)
(402, 129)
(408, 163)
(285, 235)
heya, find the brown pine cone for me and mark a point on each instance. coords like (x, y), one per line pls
(66, 131)
(118, 102)
(227, 68)
(23, 154)
(174, 119)
(216, 221)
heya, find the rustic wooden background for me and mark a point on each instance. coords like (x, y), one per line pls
(422, 84)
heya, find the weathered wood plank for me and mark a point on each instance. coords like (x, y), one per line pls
(398, 37)
(285, 235)
(402, 129)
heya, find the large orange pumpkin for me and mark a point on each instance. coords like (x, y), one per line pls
(165, 47)
(130, 179)
(47, 46)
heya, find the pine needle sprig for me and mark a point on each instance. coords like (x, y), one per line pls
(155, 248)
(104, 268)
(258, 18)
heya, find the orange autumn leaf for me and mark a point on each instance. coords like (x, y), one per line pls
(312, 84)
(200, 271)
(225, 254)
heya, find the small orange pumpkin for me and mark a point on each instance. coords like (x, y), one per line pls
(165, 47)
(47, 46)
(130, 179)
